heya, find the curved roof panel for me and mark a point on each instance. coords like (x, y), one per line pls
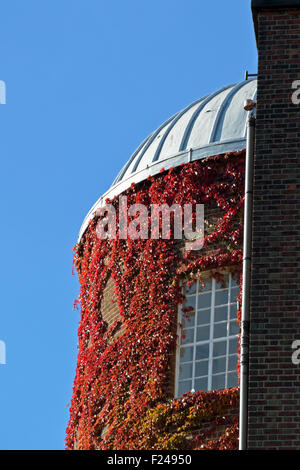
(209, 126)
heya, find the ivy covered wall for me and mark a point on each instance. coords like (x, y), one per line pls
(122, 393)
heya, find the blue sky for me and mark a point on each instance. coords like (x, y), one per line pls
(87, 81)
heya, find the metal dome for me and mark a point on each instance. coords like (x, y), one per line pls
(211, 125)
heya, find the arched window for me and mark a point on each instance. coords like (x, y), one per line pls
(208, 332)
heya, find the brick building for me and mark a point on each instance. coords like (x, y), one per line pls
(159, 332)
(274, 406)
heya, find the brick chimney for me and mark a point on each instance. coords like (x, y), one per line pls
(274, 380)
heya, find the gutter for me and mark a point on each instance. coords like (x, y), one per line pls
(247, 247)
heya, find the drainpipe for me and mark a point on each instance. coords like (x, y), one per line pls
(244, 356)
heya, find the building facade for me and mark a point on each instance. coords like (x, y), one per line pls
(158, 357)
(274, 407)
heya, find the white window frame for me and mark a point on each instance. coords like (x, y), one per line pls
(211, 340)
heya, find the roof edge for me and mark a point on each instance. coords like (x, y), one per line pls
(186, 156)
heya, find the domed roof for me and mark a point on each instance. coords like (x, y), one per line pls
(211, 125)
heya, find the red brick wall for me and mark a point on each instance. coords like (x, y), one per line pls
(274, 382)
(110, 310)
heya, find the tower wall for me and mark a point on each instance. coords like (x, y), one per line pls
(131, 290)
(274, 382)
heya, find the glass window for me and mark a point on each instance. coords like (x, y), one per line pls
(207, 352)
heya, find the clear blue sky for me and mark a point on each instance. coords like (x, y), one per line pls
(87, 81)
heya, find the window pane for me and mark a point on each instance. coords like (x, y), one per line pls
(187, 336)
(220, 330)
(184, 387)
(186, 371)
(204, 300)
(232, 362)
(223, 282)
(233, 328)
(218, 381)
(233, 282)
(201, 384)
(219, 365)
(191, 289)
(203, 316)
(207, 285)
(233, 310)
(186, 354)
(233, 346)
(233, 294)
(190, 302)
(202, 351)
(219, 348)
(232, 380)
(201, 368)
(221, 297)
(203, 333)
(188, 319)
(221, 313)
